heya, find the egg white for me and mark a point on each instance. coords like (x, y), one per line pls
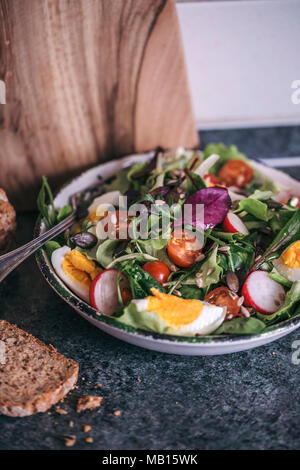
(290, 273)
(209, 319)
(104, 202)
(57, 259)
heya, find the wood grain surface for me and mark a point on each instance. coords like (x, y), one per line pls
(87, 80)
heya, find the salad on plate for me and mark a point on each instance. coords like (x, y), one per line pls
(189, 243)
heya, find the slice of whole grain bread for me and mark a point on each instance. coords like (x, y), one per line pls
(33, 376)
(7, 224)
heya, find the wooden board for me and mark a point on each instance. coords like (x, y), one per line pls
(87, 80)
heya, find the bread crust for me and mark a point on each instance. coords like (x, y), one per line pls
(42, 403)
(7, 224)
(46, 399)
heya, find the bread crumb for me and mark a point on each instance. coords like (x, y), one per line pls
(71, 424)
(89, 440)
(70, 440)
(117, 413)
(89, 402)
(60, 411)
(139, 379)
(86, 428)
(98, 385)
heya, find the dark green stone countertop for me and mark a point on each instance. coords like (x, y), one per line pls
(247, 400)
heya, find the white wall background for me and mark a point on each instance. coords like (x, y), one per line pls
(242, 57)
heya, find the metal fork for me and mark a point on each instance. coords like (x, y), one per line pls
(79, 202)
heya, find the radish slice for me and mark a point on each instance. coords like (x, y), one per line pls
(262, 293)
(233, 224)
(104, 292)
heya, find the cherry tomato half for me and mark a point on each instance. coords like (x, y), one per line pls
(221, 296)
(116, 224)
(236, 173)
(158, 270)
(285, 201)
(184, 248)
(210, 179)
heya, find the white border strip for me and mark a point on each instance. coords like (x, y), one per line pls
(254, 42)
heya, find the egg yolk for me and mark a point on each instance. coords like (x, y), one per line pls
(174, 310)
(79, 268)
(291, 257)
(93, 218)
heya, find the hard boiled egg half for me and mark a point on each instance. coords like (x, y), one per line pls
(102, 204)
(75, 269)
(288, 264)
(186, 317)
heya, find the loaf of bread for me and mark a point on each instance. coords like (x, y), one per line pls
(33, 376)
(7, 224)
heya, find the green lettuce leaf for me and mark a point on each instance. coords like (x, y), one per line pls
(276, 276)
(261, 195)
(242, 256)
(175, 160)
(134, 169)
(211, 263)
(232, 237)
(156, 247)
(119, 182)
(210, 270)
(64, 212)
(239, 257)
(270, 185)
(191, 292)
(241, 326)
(254, 207)
(105, 252)
(280, 219)
(50, 247)
(145, 320)
(153, 245)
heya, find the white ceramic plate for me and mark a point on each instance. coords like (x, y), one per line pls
(204, 345)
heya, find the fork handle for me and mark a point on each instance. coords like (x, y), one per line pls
(11, 260)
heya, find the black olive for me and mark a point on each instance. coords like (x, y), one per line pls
(84, 240)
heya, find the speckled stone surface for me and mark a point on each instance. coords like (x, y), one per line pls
(246, 400)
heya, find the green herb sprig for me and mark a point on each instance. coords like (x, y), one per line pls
(45, 205)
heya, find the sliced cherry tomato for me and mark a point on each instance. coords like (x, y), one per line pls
(126, 295)
(236, 173)
(158, 270)
(285, 201)
(116, 223)
(184, 248)
(222, 297)
(210, 179)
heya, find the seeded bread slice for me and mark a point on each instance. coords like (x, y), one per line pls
(7, 224)
(33, 376)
